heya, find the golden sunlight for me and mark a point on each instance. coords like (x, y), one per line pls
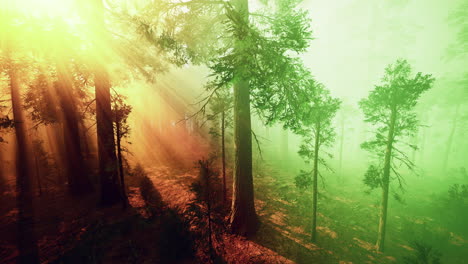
(49, 8)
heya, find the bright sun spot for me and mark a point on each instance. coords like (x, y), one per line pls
(39, 8)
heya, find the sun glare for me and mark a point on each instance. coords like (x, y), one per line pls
(41, 8)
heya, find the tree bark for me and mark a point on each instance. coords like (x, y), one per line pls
(27, 243)
(244, 219)
(315, 184)
(108, 167)
(386, 183)
(223, 152)
(110, 189)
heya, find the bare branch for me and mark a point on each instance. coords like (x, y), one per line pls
(258, 144)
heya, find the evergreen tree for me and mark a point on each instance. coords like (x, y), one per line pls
(314, 124)
(390, 108)
(121, 112)
(254, 53)
(221, 117)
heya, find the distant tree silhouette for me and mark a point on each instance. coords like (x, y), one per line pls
(12, 63)
(221, 108)
(122, 129)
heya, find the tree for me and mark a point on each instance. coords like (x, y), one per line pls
(55, 94)
(344, 114)
(390, 108)
(315, 127)
(206, 203)
(108, 164)
(262, 72)
(221, 106)
(254, 53)
(27, 237)
(12, 61)
(122, 129)
(6, 124)
(78, 180)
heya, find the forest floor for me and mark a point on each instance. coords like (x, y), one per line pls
(157, 227)
(348, 218)
(281, 238)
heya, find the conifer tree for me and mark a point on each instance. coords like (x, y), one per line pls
(390, 108)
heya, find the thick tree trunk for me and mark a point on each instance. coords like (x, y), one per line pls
(27, 244)
(108, 167)
(386, 184)
(110, 189)
(244, 219)
(450, 138)
(223, 152)
(78, 180)
(315, 184)
(243, 216)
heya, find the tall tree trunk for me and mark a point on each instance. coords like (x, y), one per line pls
(450, 138)
(78, 180)
(386, 183)
(3, 182)
(315, 184)
(423, 138)
(223, 152)
(110, 189)
(38, 176)
(341, 145)
(120, 160)
(244, 219)
(27, 243)
(414, 141)
(210, 235)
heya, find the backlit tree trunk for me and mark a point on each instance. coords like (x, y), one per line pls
(386, 183)
(450, 138)
(315, 184)
(110, 189)
(120, 159)
(244, 219)
(341, 144)
(78, 180)
(27, 244)
(108, 167)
